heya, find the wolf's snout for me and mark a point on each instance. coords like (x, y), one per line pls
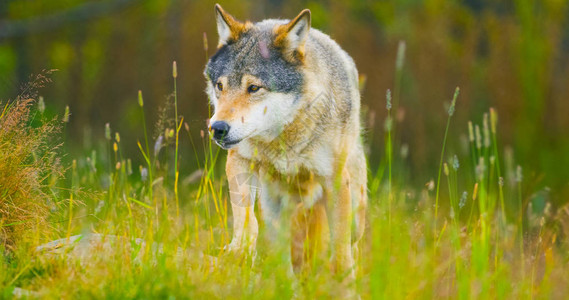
(220, 130)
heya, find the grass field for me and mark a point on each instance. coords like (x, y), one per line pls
(474, 231)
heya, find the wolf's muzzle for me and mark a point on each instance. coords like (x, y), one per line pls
(220, 130)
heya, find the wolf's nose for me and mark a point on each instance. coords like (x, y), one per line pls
(220, 129)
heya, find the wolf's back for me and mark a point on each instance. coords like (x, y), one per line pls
(339, 65)
(336, 75)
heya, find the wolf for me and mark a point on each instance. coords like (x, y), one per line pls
(287, 110)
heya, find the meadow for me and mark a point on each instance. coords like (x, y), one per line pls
(474, 230)
(110, 186)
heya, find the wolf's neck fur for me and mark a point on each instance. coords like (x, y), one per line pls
(327, 109)
(298, 147)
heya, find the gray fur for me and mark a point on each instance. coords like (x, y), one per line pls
(245, 56)
(301, 136)
(334, 110)
(333, 57)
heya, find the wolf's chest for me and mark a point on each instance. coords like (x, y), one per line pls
(288, 161)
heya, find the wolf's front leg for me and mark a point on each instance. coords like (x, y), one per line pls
(340, 206)
(242, 195)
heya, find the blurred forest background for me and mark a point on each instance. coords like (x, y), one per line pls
(510, 55)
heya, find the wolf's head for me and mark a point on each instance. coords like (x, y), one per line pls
(254, 80)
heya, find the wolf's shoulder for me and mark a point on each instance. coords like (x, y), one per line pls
(327, 56)
(322, 43)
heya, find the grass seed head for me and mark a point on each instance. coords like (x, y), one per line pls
(455, 163)
(174, 70)
(140, 101)
(547, 209)
(480, 169)
(108, 131)
(158, 145)
(404, 150)
(129, 166)
(493, 120)
(463, 198)
(143, 173)
(478, 137)
(66, 114)
(205, 47)
(470, 132)
(430, 185)
(451, 108)
(475, 192)
(400, 56)
(486, 131)
(41, 105)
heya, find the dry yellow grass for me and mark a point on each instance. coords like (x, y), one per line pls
(27, 163)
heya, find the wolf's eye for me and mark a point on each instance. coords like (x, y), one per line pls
(253, 88)
(219, 86)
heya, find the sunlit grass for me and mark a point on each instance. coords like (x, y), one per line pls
(146, 232)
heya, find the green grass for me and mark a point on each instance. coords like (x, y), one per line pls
(481, 236)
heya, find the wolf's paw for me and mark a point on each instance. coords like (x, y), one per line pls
(240, 251)
(240, 246)
(234, 247)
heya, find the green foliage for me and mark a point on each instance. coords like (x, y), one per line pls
(153, 241)
(490, 222)
(511, 56)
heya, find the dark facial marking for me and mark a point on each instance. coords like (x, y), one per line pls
(254, 54)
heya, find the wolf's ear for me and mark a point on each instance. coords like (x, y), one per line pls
(292, 36)
(228, 27)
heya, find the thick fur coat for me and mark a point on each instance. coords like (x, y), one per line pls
(287, 109)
